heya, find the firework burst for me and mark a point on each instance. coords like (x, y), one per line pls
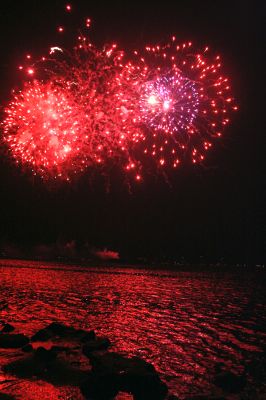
(184, 104)
(169, 103)
(89, 106)
(81, 114)
(42, 132)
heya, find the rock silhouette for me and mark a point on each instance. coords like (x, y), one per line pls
(112, 372)
(13, 341)
(7, 328)
(74, 357)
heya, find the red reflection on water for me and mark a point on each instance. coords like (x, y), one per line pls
(183, 323)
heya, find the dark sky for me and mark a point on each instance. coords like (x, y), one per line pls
(213, 211)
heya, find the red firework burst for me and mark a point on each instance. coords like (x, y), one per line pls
(81, 114)
(42, 132)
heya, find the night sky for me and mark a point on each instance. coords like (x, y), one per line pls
(211, 212)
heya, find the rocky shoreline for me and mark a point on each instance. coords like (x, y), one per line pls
(63, 355)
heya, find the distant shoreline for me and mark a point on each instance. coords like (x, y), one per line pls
(86, 264)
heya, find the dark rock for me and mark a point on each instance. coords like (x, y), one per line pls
(94, 345)
(61, 330)
(100, 387)
(56, 329)
(7, 328)
(44, 355)
(143, 386)
(5, 396)
(131, 375)
(114, 362)
(45, 367)
(25, 368)
(13, 341)
(27, 349)
(41, 335)
(230, 383)
(87, 336)
(59, 349)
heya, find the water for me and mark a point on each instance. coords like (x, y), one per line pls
(184, 323)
